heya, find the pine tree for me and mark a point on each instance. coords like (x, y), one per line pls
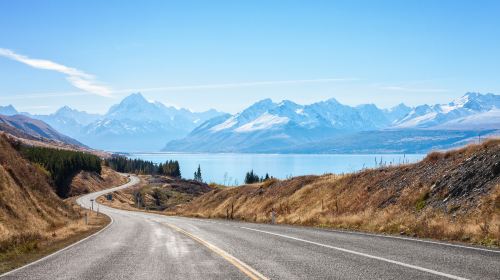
(267, 177)
(251, 178)
(197, 174)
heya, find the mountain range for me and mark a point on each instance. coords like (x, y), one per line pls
(32, 130)
(289, 127)
(136, 124)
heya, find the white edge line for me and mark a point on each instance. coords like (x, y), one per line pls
(361, 254)
(378, 235)
(59, 251)
(415, 239)
(71, 245)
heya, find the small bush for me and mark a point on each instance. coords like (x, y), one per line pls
(434, 156)
(420, 204)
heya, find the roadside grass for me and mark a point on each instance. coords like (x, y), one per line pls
(28, 247)
(429, 199)
(34, 221)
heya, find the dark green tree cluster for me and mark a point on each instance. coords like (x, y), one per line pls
(139, 166)
(197, 174)
(170, 168)
(252, 177)
(62, 165)
(126, 165)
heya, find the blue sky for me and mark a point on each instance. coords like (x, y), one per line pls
(229, 54)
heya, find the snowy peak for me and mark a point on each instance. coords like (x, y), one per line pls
(135, 106)
(459, 110)
(67, 114)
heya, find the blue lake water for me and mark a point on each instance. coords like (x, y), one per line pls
(230, 169)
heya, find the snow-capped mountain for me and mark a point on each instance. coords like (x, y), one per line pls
(473, 109)
(134, 124)
(269, 126)
(68, 121)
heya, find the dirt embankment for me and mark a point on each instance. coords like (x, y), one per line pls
(34, 221)
(453, 195)
(87, 182)
(157, 193)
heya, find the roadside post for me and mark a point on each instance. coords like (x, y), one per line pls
(273, 216)
(92, 205)
(86, 217)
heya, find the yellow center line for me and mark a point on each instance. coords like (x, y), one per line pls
(243, 267)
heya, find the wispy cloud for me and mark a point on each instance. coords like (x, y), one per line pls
(413, 89)
(77, 78)
(182, 87)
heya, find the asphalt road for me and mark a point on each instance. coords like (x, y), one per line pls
(140, 245)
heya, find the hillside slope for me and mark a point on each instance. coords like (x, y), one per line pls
(34, 221)
(453, 195)
(28, 206)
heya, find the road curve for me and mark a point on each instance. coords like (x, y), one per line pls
(140, 245)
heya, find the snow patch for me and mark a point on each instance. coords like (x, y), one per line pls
(418, 120)
(265, 121)
(225, 125)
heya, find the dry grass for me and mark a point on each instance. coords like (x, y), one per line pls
(25, 248)
(33, 220)
(449, 196)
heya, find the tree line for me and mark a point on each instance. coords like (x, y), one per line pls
(252, 177)
(144, 167)
(62, 165)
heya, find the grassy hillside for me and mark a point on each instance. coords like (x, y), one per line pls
(34, 221)
(453, 195)
(28, 206)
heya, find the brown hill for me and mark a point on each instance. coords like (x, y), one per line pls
(33, 219)
(28, 206)
(453, 195)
